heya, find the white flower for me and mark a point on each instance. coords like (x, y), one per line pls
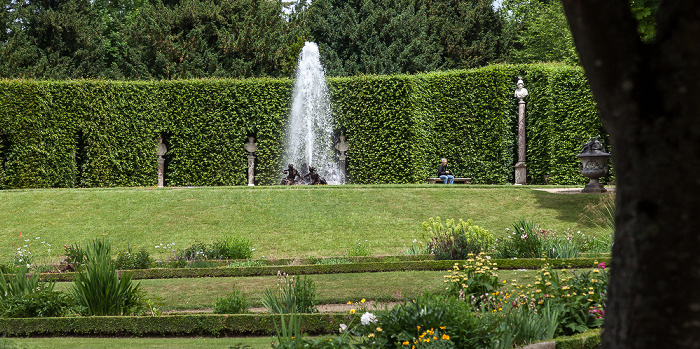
(343, 327)
(157, 246)
(367, 318)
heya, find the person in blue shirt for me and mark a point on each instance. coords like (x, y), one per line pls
(444, 173)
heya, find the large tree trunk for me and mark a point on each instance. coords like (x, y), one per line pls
(644, 94)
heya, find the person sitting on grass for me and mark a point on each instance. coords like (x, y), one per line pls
(444, 173)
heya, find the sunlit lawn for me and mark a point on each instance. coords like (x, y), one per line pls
(280, 221)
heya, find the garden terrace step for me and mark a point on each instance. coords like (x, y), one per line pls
(365, 267)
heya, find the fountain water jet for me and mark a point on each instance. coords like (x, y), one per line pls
(309, 132)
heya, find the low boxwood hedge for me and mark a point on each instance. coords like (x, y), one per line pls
(362, 267)
(171, 325)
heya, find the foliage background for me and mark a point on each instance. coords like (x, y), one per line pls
(88, 133)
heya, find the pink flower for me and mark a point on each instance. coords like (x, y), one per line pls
(601, 265)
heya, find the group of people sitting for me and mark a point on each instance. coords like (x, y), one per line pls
(294, 177)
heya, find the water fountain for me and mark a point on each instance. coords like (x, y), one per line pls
(309, 131)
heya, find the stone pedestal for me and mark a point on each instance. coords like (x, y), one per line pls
(162, 150)
(251, 147)
(520, 173)
(521, 166)
(342, 147)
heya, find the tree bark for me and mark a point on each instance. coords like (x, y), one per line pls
(643, 91)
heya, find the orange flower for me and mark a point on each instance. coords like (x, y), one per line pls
(445, 337)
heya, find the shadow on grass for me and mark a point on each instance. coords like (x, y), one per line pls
(568, 207)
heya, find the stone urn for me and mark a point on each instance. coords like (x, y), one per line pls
(593, 165)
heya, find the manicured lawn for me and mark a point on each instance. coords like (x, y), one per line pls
(201, 293)
(280, 221)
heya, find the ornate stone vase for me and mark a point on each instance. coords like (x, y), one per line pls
(593, 165)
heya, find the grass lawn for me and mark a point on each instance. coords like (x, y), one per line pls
(281, 222)
(201, 293)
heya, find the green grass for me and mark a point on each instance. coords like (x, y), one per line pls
(201, 293)
(280, 221)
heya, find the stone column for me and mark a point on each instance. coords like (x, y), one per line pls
(162, 150)
(342, 147)
(251, 147)
(521, 166)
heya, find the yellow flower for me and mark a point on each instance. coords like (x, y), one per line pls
(418, 327)
(371, 335)
(427, 340)
(434, 338)
(405, 343)
(443, 327)
(362, 301)
(379, 329)
(349, 302)
(504, 281)
(352, 311)
(445, 337)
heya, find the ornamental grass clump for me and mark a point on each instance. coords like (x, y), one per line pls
(454, 241)
(99, 290)
(477, 277)
(292, 295)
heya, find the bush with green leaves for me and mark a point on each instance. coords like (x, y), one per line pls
(291, 295)
(99, 290)
(231, 247)
(75, 256)
(42, 303)
(133, 260)
(454, 241)
(476, 277)
(22, 283)
(415, 319)
(236, 302)
(581, 296)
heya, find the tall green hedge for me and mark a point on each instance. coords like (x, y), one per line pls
(103, 133)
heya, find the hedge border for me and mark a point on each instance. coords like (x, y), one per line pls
(215, 325)
(366, 267)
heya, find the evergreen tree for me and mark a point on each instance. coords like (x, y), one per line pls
(470, 33)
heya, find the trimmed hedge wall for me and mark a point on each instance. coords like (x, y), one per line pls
(171, 325)
(103, 133)
(363, 267)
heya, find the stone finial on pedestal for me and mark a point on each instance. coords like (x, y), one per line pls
(521, 165)
(251, 147)
(342, 147)
(161, 151)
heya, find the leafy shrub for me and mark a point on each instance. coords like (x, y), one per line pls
(477, 277)
(581, 296)
(523, 242)
(231, 248)
(42, 303)
(98, 289)
(235, 302)
(456, 240)
(292, 295)
(21, 283)
(360, 249)
(197, 250)
(75, 256)
(415, 320)
(129, 260)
